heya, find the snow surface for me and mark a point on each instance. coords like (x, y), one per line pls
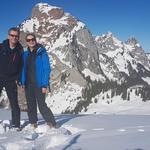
(116, 105)
(88, 132)
(64, 98)
(93, 76)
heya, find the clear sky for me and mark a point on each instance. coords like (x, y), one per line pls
(124, 18)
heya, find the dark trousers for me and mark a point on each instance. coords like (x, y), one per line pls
(11, 90)
(35, 96)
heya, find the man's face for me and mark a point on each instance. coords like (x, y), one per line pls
(13, 37)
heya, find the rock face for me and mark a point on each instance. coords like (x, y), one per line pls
(86, 67)
(123, 57)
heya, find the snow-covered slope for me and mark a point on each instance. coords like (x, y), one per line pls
(88, 132)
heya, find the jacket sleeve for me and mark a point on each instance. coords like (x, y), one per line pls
(23, 73)
(46, 69)
(20, 68)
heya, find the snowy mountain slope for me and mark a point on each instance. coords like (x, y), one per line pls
(123, 62)
(126, 56)
(115, 105)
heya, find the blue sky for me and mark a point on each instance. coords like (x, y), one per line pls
(124, 18)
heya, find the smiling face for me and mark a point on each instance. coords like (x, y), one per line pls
(31, 41)
(13, 37)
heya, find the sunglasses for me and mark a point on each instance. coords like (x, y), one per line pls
(28, 40)
(12, 35)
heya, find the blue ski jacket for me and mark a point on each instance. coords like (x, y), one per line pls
(42, 67)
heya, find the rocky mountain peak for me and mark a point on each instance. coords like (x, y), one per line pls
(108, 42)
(44, 10)
(137, 51)
(108, 35)
(47, 13)
(104, 36)
(52, 26)
(133, 42)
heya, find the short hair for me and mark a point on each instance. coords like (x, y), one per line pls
(32, 34)
(14, 29)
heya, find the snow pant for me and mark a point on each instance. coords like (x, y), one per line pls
(35, 96)
(11, 90)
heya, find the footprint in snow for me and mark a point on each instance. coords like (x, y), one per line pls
(98, 129)
(141, 130)
(121, 130)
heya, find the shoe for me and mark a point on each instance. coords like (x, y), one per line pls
(30, 128)
(34, 125)
(15, 129)
(50, 125)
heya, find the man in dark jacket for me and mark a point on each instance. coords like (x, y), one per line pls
(10, 70)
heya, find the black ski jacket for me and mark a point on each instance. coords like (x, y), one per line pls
(10, 61)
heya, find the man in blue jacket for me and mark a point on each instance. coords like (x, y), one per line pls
(10, 70)
(35, 78)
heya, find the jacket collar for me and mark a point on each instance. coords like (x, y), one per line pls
(38, 49)
(7, 47)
